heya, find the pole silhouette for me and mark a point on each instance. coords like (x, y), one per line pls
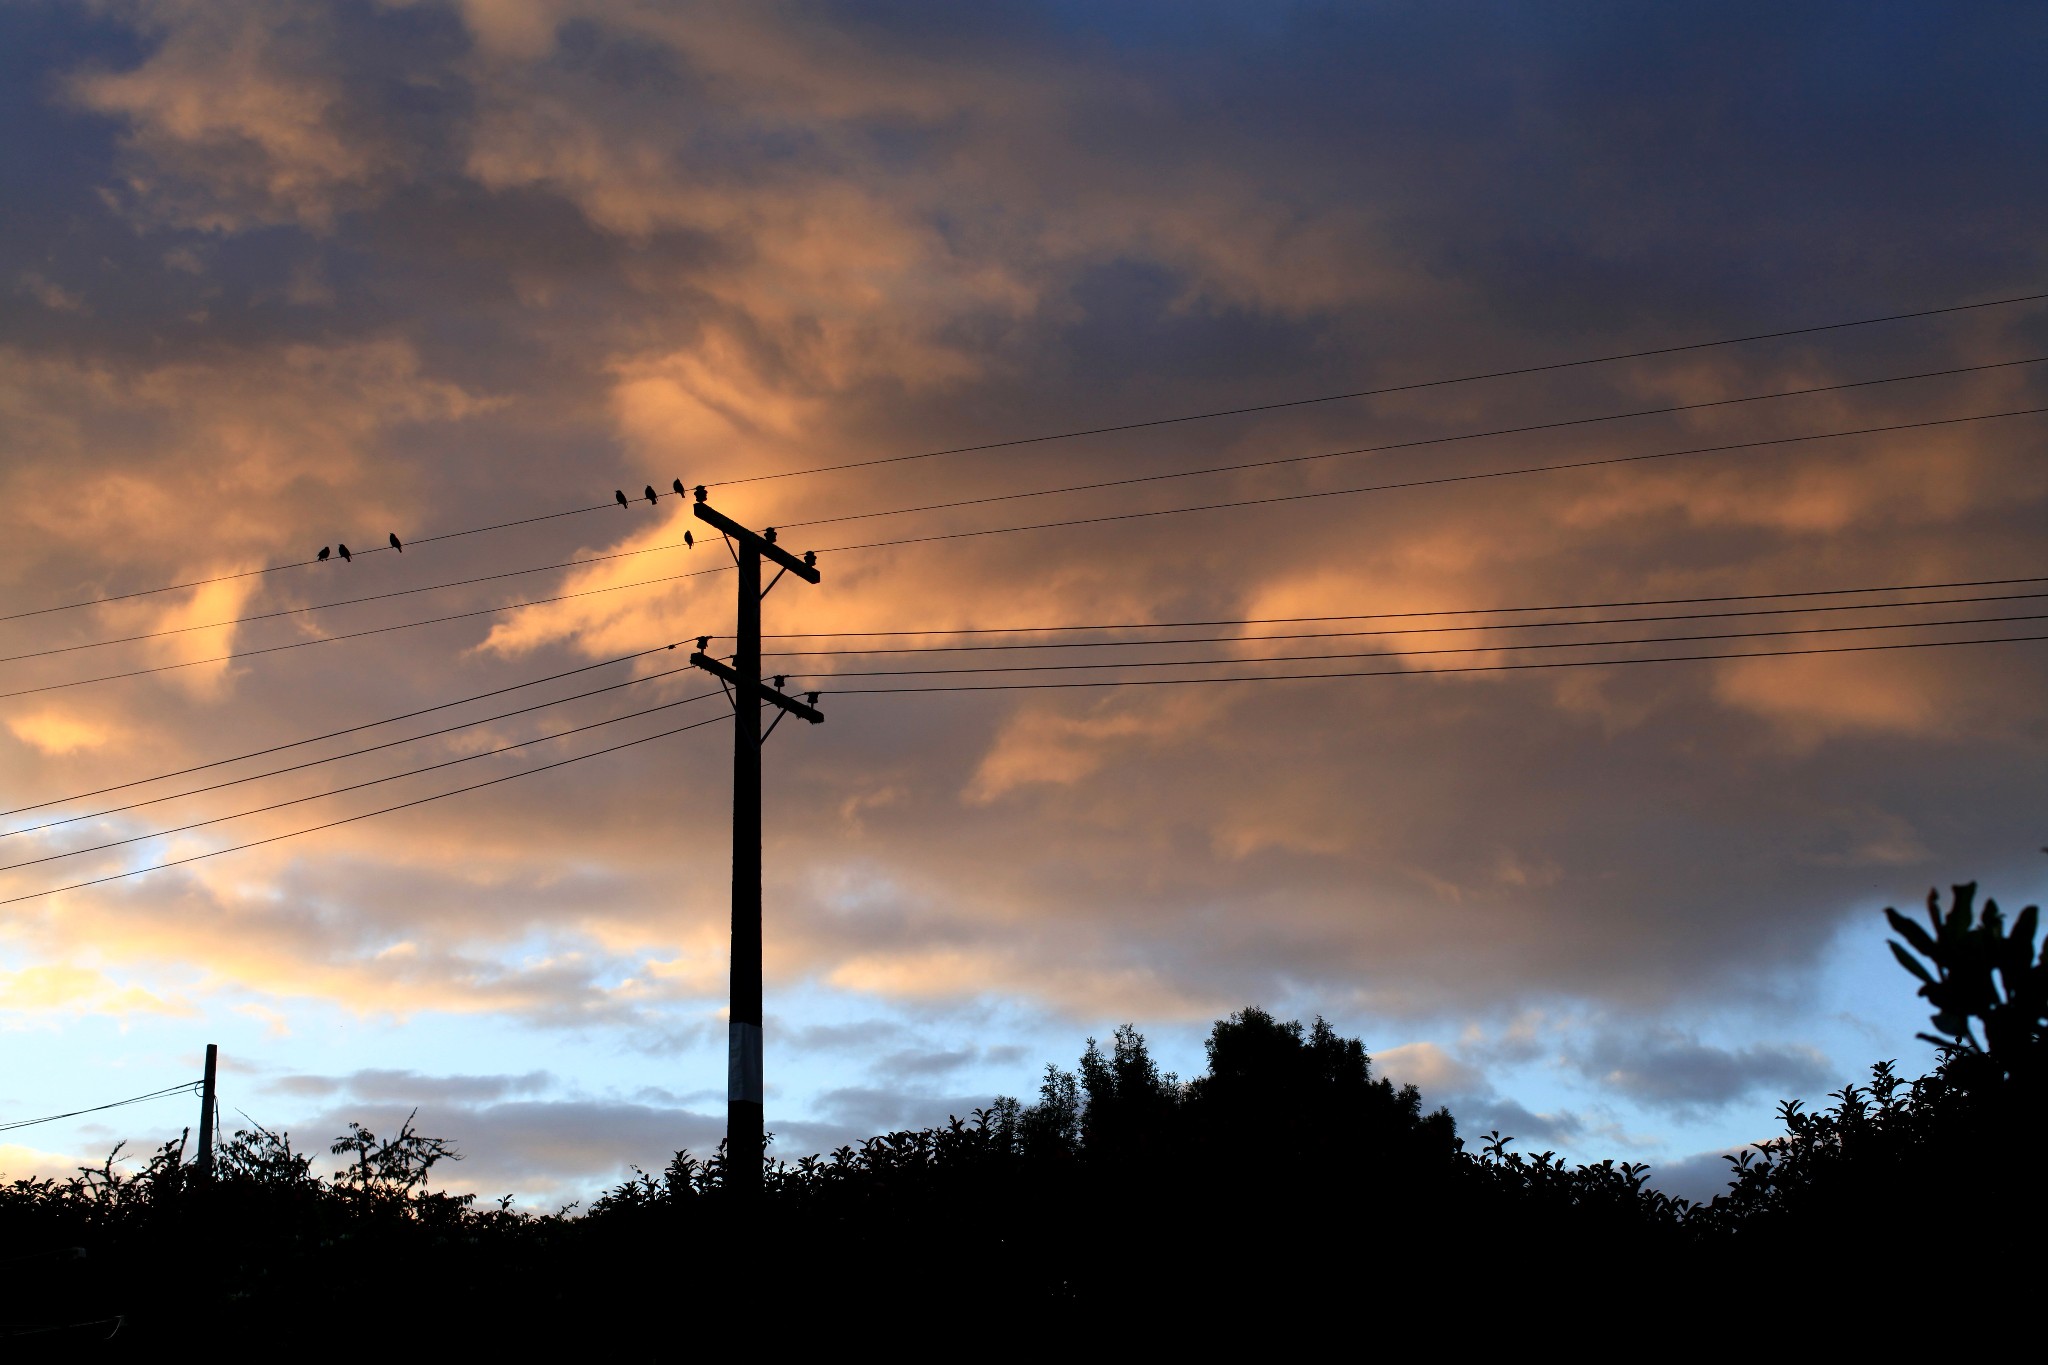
(206, 1102)
(744, 1131)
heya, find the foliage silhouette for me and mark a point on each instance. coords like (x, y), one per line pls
(1286, 1179)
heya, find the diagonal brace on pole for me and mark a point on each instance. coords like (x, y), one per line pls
(768, 694)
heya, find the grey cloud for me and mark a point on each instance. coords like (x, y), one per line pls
(871, 1110)
(904, 1065)
(1699, 1177)
(857, 1036)
(1666, 1069)
(412, 1087)
(1527, 1127)
(544, 1145)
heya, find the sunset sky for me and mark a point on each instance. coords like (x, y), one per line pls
(281, 274)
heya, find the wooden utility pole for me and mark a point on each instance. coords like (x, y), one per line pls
(744, 1141)
(206, 1113)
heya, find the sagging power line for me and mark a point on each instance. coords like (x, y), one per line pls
(1413, 673)
(1490, 647)
(346, 730)
(1379, 630)
(354, 786)
(182, 1088)
(351, 819)
(1077, 433)
(1209, 622)
(1097, 486)
(1103, 519)
(1430, 672)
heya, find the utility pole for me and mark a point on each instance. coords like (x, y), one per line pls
(744, 1140)
(206, 1113)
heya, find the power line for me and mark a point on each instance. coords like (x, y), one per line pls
(1408, 630)
(336, 758)
(1076, 433)
(1548, 368)
(1431, 482)
(346, 602)
(1422, 672)
(1070, 522)
(1102, 626)
(348, 730)
(1524, 430)
(184, 1088)
(1413, 653)
(351, 819)
(1437, 611)
(1042, 686)
(352, 635)
(1241, 467)
(354, 786)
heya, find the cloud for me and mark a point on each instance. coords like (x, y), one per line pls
(542, 1148)
(1662, 1068)
(235, 121)
(1699, 1177)
(411, 1086)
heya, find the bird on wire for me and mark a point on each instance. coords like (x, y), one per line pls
(346, 557)
(650, 493)
(689, 541)
(396, 543)
(324, 552)
(620, 494)
(678, 486)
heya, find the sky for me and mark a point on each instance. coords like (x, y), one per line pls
(281, 274)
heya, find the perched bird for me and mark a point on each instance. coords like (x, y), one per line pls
(396, 543)
(650, 492)
(620, 494)
(688, 540)
(346, 557)
(324, 552)
(678, 486)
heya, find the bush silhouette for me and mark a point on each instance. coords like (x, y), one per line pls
(1284, 1180)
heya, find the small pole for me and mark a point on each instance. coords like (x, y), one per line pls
(206, 1114)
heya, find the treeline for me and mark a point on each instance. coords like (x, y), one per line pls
(1285, 1189)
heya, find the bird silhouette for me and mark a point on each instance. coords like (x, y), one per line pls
(689, 540)
(620, 494)
(346, 557)
(324, 552)
(678, 486)
(650, 492)
(396, 543)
